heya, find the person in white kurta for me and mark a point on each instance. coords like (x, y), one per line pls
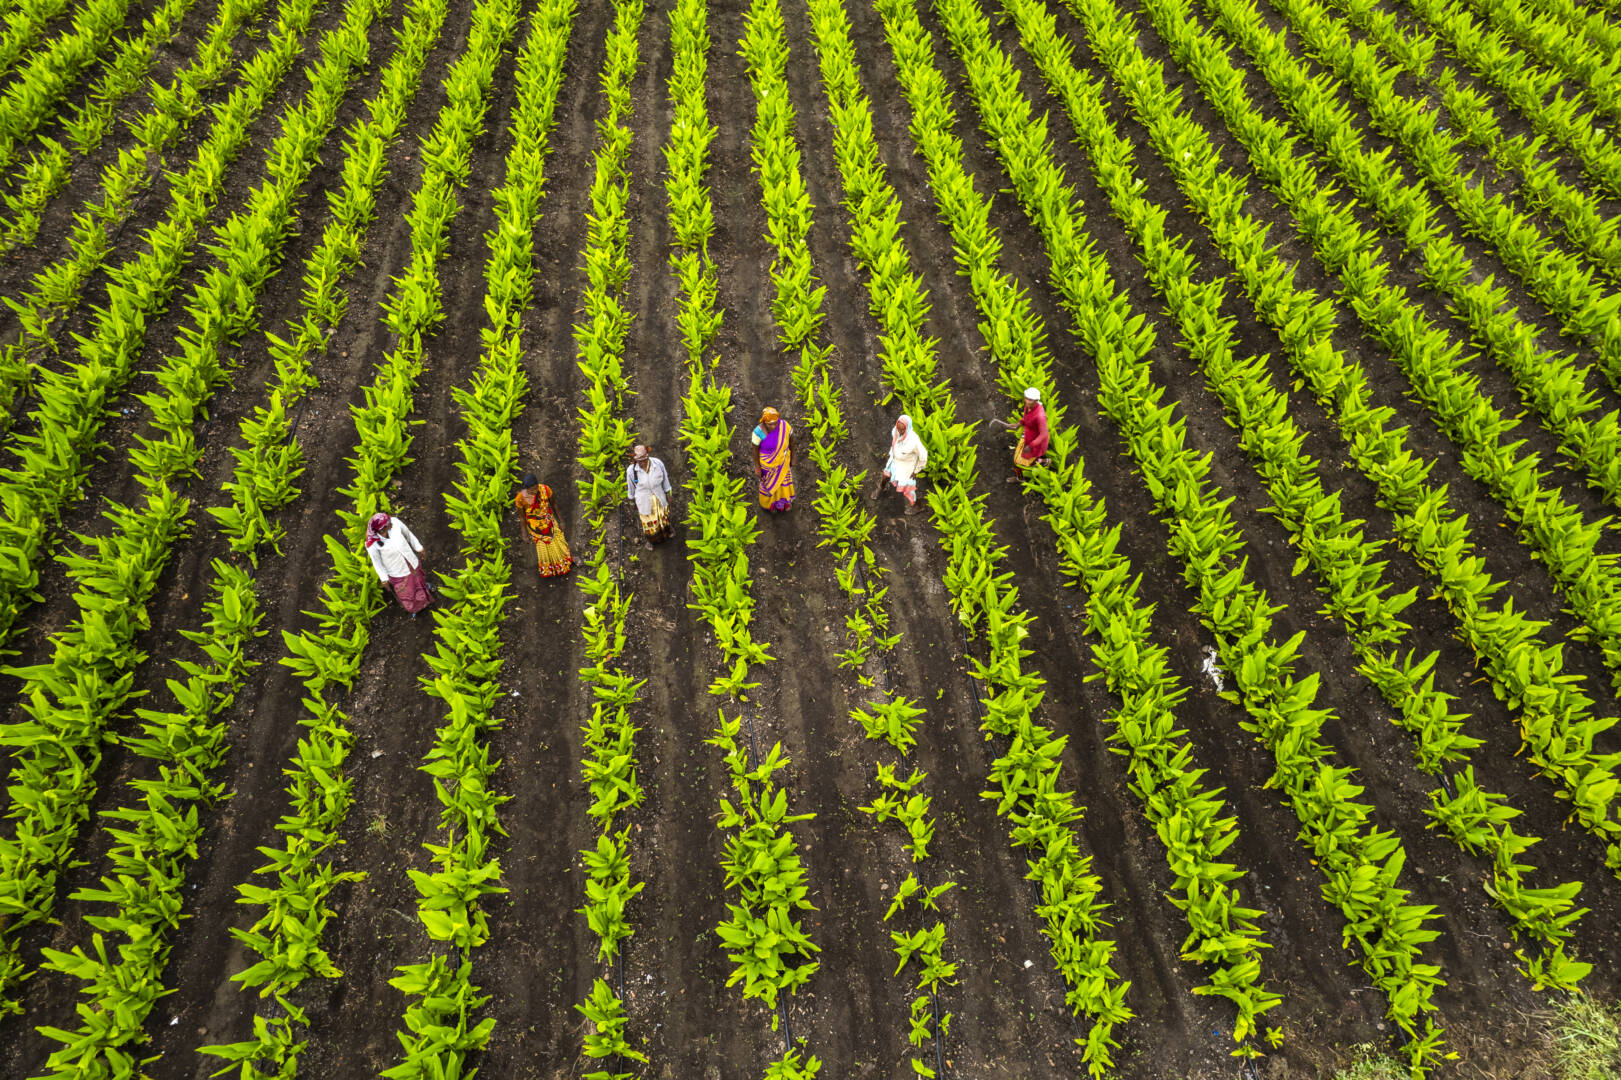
(907, 456)
(395, 554)
(647, 481)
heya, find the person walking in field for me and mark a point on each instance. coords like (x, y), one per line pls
(907, 456)
(1032, 444)
(773, 461)
(648, 483)
(540, 524)
(395, 554)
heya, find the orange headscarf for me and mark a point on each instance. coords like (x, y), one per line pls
(770, 415)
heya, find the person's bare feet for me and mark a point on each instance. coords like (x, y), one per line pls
(1013, 479)
(910, 509)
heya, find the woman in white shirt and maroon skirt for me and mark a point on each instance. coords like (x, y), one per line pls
(394, 553)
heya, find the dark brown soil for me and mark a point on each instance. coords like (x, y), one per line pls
(1009, 1017)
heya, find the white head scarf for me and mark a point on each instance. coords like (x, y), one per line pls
(908, 443)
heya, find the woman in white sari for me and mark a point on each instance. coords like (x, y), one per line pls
(648, 483)
(907, 456)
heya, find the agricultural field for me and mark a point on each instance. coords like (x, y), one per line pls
(1264, 731)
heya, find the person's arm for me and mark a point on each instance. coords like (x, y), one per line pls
(375, 553)
(410, 537)
(630, 482)
(922, 455)
(664, 478)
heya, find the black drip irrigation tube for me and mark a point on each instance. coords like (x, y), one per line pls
(939, 1056)
(934, 994)
(619, 965)
(619, 953)
(782, 999)
(973, 695)
(754, 749)
(136, 207)
(24, 396)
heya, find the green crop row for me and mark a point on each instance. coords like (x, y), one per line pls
(1552, 383)
(31, 98)
(1473, 119)
(608, 764)
(843, 519)
(1590, 25)
(798, 310)
(1345, 562)
(599, 341)
(46, 171)
(1556, 719)
(1580, 215)
(74, 403)
(1553, 45)
(1190, 818)
(1024, 780)
(770, 952)
(155, 839)
(1476, 819)
(1541, 96)
(1361, 863)
(54, 291)
(71, 698)
(24, 27)
(270, 462)
(287, 935)
(441, 1028)
(186, 743)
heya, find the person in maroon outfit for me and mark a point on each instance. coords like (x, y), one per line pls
(396, 555)
(1033, 442)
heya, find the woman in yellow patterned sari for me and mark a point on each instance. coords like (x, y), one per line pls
(773, 460)
(540, 524)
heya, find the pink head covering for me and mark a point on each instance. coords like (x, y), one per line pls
(374, 528)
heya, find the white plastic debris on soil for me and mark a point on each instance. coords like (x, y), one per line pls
(1212, 669)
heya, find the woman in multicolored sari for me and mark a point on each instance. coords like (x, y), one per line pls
(773, 461)
(540, 524)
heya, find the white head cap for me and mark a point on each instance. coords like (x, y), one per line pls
(1032, 394)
